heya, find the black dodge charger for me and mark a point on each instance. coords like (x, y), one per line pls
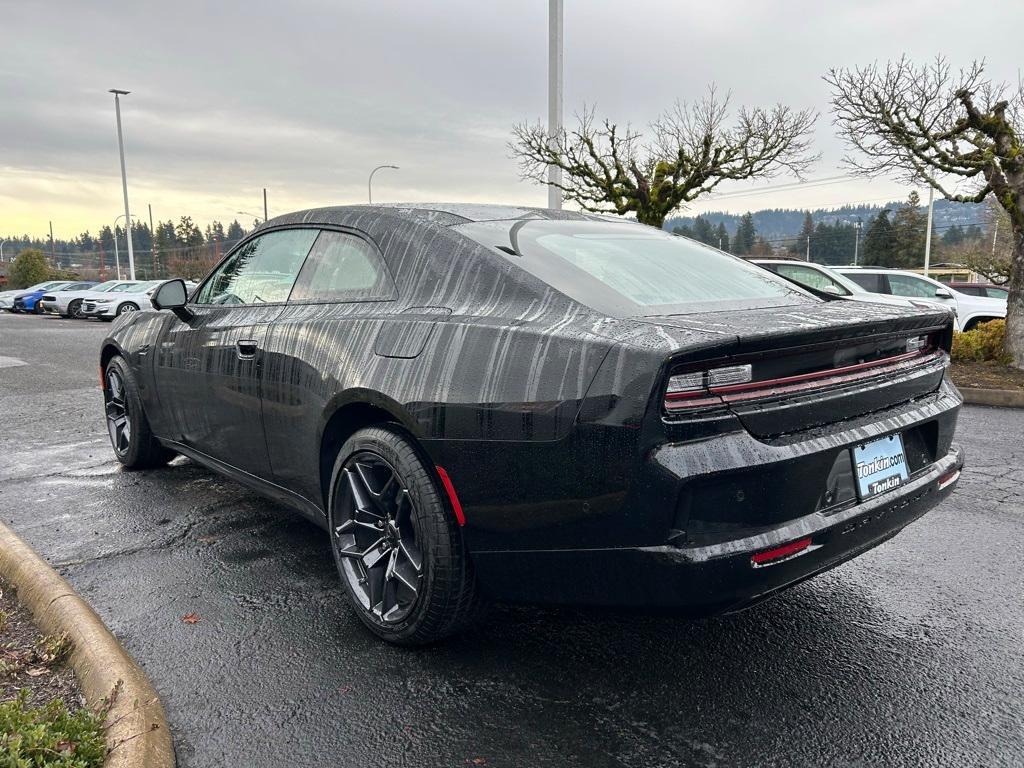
(481, 402)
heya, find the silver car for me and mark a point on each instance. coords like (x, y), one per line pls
(69, 303)
(7, 297)
(107, 307)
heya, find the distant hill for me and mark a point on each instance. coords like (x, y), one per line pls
(778, 223)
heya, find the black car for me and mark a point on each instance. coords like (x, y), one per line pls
(480, 402)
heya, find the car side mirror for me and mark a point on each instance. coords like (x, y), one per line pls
(171, 295)
(943, 293)
(831, 289)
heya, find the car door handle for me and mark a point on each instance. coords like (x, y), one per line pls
(245, 349)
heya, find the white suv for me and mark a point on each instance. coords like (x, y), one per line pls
(970, 310)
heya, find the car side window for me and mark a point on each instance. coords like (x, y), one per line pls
(997, 293)
(812, 278)
(905, 285)
(869, 282)
(343, 267)
(262, 271)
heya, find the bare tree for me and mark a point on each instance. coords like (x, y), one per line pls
(957, 131)
(690, 151)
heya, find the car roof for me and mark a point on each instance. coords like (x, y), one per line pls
(438, 214)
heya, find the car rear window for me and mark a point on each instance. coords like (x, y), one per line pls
(872, 283)
(625, 269)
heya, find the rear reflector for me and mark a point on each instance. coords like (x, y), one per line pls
(948, 479)
(786, 551)
(452, 496)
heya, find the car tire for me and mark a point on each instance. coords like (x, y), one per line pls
(127, 307)
(127, 426)
(383, 491)
(38, 309)
(75, 309)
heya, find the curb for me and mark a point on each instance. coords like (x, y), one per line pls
(1004, 398)
(136, 724)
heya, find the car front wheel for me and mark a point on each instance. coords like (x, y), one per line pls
(75, 309)
(126, 308)
(397, 546)
(127, 425)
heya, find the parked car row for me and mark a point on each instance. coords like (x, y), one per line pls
(970, 303)
(82, 300)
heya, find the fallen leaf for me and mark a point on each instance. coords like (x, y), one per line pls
(36, 672)
(191, 618)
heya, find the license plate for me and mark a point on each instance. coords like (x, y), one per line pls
(879, 466)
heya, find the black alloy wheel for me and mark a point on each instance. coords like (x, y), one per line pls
(375, 538)
(396, 542)
(75, 309)
(119, 425)
(130, 436)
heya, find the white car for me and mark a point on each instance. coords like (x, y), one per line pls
(107, 306)
(7, 297)
(110, 305)
(970, 310)
(827, 280)
(69, 303)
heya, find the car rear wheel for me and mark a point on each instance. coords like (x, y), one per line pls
(38, 309)
(397, 546)
(127, 425)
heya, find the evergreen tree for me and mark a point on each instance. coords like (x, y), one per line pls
(799, 246)
(746, 234)
(721, 239)
(973, 233)
(165, 235)
(187, 232)
(235, 231)
(702, 230)
(214, 232)
(953, 236)
(878, 248)
(909, 225)
(684, 230)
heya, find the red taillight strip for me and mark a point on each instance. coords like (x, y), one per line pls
(786, 551)
(452, 496)
(755, 389)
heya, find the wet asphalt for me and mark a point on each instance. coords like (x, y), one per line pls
(913, 654)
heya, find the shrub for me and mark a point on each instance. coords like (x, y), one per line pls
(29, 268)
(50, 735)
(985, 342)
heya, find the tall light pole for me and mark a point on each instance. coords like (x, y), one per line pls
(555, 29)
(369, 182)
(856, 240)
(265, 216)
(117, 258)
(124, 180)
(928, 234)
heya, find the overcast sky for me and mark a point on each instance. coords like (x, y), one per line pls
(304, 98)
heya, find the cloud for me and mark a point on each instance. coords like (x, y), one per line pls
(306, 97)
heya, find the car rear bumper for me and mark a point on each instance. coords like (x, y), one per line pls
(718, 577)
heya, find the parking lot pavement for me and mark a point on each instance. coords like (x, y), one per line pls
(909, 655)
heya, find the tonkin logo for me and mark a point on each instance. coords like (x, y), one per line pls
(880, 464)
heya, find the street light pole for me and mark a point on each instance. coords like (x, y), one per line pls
(117, 258)
(124, 180)
(928, 234)
(369, 182)
(856, 240)
(555, 29)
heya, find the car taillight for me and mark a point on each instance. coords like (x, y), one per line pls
(687, 390)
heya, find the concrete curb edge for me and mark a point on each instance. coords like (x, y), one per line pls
(1004, 398)
(137, 730)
